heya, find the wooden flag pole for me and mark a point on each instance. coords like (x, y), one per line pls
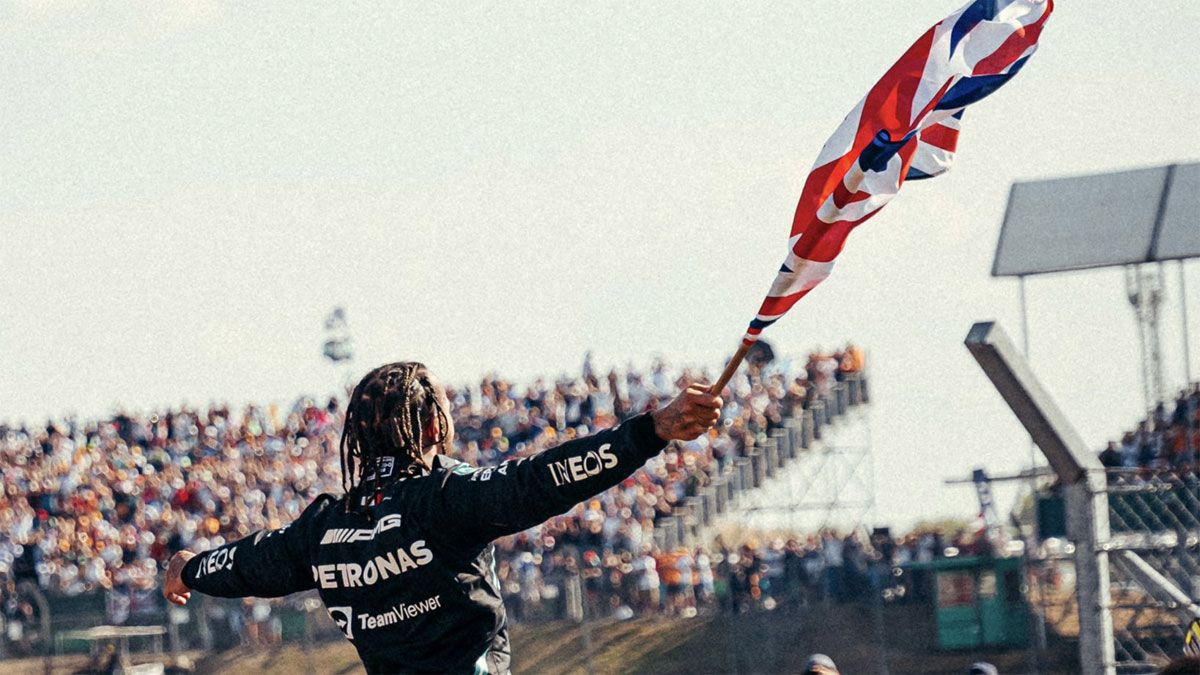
(730, 369)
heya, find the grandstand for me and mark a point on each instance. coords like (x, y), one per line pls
(189, 187)
(92, 510)
(1153, 499)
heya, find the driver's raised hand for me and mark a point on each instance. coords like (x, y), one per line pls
(692, 413)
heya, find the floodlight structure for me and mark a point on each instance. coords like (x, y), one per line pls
(1140, 220)
(830, 483)
(1137, 219)
(1077, 468)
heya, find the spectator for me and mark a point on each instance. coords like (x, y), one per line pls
(1111, 457)
(99, 505)
(1168, 439)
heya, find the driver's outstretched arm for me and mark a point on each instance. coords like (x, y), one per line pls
(474, 506)
(266, 564)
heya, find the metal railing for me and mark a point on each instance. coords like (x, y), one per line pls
(1154, 562)
(769, 454)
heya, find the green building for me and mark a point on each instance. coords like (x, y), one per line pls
(980, 602)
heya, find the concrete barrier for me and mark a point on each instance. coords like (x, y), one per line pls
(783, 442)
(817, 409)
(758, 467)
(746, 473)
(795, 433)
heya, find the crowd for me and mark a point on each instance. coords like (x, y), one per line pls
(103, 504)
(784, 574)
(1168, 439)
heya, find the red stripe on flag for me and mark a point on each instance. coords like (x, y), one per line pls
(940, 136)
(842, 197)
(775, 305)
(887, 106)
(1014, 46)
(899, 86)
(823, 241)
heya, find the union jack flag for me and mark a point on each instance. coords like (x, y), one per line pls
(905, 128)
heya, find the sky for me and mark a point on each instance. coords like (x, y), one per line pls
(187, 189)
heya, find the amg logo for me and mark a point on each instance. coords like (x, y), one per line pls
(344, 535)
(579, 467)
(399, 613)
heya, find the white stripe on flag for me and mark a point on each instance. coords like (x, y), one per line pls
(805, 275)
(987, 37)
(842, 140)
(932, 160)
(881, 185)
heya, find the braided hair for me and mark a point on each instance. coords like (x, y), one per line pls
(387, 429)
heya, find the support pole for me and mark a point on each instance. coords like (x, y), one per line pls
(730, 369)
(1087, 518)
(1193, 443)
(1031, 543)
(1078, 468)
(1183, 312)
(1024, 316)
(1162, 588)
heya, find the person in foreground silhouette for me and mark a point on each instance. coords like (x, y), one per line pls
(403, 560)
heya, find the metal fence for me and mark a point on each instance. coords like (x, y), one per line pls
(764, 459)
(207, 624)
(1154, 518)
(1153, 559)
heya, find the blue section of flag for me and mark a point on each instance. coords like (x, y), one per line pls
(971, 89)
(875, 157)
(980, 10)
(760, 324)
(916, 174)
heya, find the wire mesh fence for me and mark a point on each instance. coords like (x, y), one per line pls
(1155, 514)
(1154, 518)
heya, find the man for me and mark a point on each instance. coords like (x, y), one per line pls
(1110, 457)
(404, 561)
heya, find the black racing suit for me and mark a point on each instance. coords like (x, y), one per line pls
(414, 584)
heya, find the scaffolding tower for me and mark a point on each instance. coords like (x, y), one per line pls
(1145, 289)
(832, 485)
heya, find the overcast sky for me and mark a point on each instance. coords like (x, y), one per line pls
(187, 188)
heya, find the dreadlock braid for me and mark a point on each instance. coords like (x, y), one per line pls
(384, 433)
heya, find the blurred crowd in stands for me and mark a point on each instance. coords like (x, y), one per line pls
(1168, 440)
(90, 505)
(93, 504)
(779, 574)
